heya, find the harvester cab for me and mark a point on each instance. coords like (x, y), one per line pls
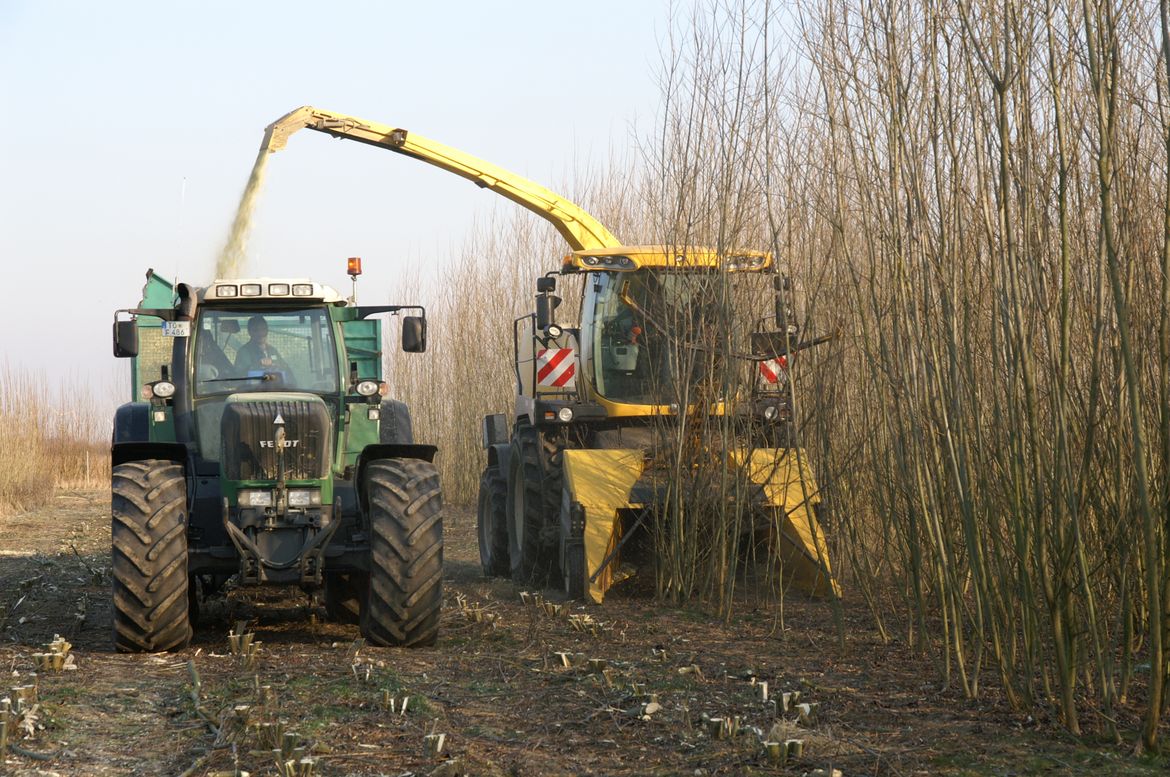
(666, 339)
(261, 447)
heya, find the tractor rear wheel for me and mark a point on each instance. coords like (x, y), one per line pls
(405, 512)
(534, 495)
(492, 523)
(149, 556)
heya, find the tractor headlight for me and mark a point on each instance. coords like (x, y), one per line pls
(304, 497)
(254, 497)
(565, 415)
(366, 388)
(162, 389)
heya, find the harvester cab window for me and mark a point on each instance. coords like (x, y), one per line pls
(631, 347)
(655, 327)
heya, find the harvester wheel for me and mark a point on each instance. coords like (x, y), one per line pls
(492, 522)
(344, 594)
(574, 572)
(534, 499)
(149, 554)
(405, 510)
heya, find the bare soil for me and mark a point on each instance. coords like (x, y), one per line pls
(494, 685)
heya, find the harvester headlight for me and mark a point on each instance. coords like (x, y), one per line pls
(771, 412)
(278, 289)
(162, 389)
(366, 388)
(552, 330)
(565, 415)
(251, 290)
(304, 497)
(625, 261)
(227, 290)
(302, 289)
(254, 497)
(590, 261)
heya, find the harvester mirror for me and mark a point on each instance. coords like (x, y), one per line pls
(125, 338)
(546, 305)
(546, 283)
(414, 334)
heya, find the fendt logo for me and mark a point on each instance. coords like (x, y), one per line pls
(283, 443)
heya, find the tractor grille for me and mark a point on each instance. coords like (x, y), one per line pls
(249, 439)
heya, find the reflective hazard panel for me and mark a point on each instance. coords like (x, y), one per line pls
(774, 370)
(556, 367)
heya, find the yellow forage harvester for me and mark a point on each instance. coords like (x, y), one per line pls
(672, 384)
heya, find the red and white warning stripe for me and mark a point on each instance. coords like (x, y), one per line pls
(556, 367)
(774, 370)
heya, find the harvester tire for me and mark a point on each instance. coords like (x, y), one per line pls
(149, 556)
(534, 498)
(492, 523)
(574, 571)
(405, 511)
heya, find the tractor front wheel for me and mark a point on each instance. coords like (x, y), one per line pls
(149, 556)
(405, 512)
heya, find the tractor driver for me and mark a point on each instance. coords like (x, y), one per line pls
(258, 354)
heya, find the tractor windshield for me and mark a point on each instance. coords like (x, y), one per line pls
(272, 350)
(662, 335)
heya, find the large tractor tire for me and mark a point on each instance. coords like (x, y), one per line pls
(149, 552)
(533, 504)
(405, 511)
(395, 427)
(492, 523)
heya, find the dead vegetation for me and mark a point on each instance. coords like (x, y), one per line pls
(517, 685)
(50, 437)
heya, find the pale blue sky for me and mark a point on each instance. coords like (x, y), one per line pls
(130, 129)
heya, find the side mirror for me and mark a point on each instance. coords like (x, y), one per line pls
(546, 283)
(546, 305)
(125, 338)
(414, 334)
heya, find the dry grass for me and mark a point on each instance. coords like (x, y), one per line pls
(51, 436)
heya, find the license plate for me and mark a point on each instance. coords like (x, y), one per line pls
(176, 328)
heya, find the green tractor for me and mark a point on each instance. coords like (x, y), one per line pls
(261, 448)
